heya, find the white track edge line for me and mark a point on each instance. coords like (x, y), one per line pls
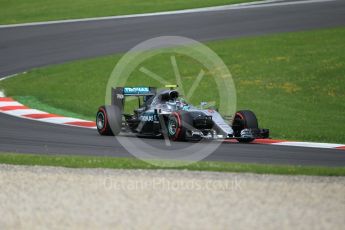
(256, 4)
(309, 144)
(9, 76)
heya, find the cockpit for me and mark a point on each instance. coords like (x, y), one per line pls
(169, 100)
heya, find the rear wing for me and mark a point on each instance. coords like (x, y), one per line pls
(118, 94)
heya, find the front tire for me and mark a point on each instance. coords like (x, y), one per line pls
(178, 125)
(244, 119)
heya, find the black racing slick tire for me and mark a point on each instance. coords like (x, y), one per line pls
(109, 120)
(244, 119)
(178, 125)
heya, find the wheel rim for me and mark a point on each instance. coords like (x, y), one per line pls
(100, 120)
(172, 126)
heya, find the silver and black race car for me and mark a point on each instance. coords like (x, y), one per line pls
(166, 114)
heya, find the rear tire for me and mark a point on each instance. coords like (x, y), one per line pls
(244, 119)
(109, 120)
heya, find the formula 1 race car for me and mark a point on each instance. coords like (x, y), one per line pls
(166, 114)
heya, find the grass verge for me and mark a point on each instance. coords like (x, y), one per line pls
(129, 163)
(294, 82)
(19, 11)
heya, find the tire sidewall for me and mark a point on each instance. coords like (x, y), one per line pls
(105, 130)
(177, 119)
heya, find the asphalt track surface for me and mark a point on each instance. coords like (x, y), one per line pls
(22, 48)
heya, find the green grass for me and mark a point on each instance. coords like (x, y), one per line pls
(131, 163)
(19, 11)
(295, 82)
